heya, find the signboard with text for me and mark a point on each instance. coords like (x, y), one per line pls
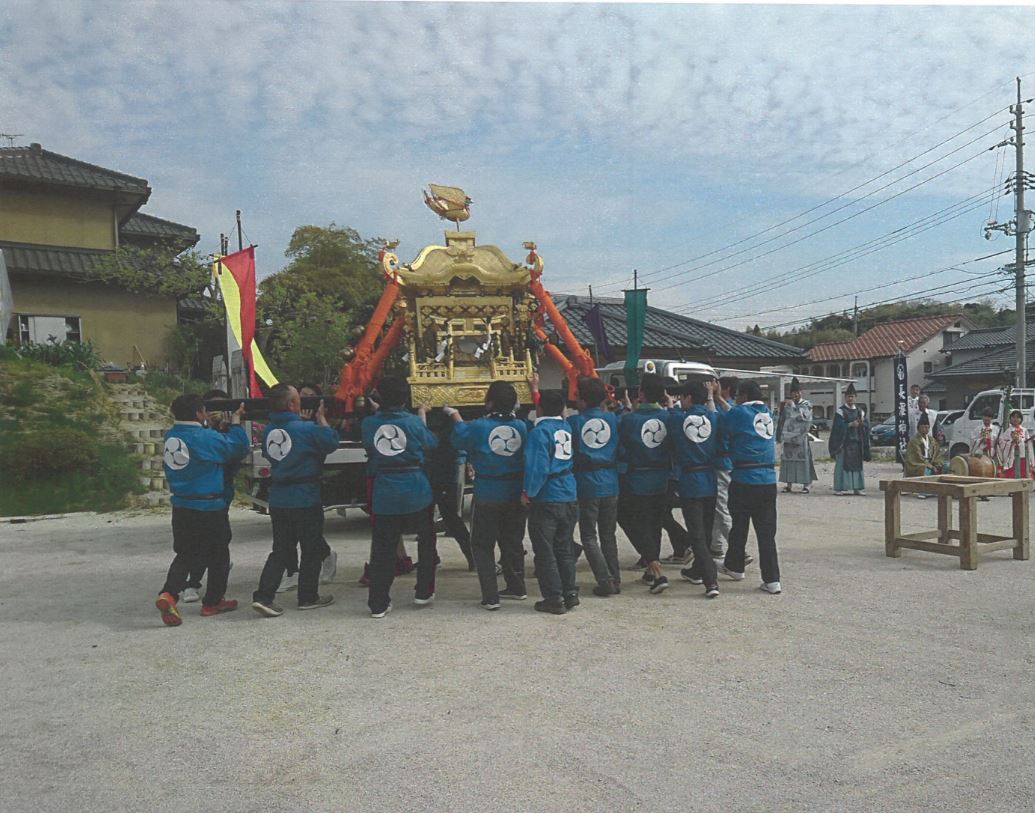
(901, 408)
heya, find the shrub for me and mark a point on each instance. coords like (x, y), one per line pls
(80, 355)
(45, 454)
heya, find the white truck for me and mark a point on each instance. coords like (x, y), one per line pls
(958, 435)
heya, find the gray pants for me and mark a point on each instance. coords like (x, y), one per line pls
(500, 523)
(723, 521)
(599, 515)
(551, 527)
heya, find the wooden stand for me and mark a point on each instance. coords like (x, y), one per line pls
(949, 487)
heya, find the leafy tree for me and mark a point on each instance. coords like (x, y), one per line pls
(307, 312)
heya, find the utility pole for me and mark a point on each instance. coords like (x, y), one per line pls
(1021, 234)
(240, 240)
(855, 318)
(1019, 227)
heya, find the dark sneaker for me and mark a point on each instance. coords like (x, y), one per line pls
(166, 604)
(659, 585)
(317, 603)
(267, 608)
(490, 605)
(554, 606)
(712, 591)
(688, 574)
(616, 587)
(571, 601)
(748, 559)
(603, 590)
(225, 605)
(513, 595)
(647, 577)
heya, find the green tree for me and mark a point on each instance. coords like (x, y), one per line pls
(307, 311)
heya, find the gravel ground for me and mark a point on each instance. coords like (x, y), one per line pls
(871, 684)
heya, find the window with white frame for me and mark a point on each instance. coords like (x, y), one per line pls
(39, 329)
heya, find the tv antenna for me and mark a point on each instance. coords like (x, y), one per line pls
(11, 137)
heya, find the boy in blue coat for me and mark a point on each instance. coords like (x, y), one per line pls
(495, 447)
(748, 431)
(645, 448)
(194, 458)
(696, 452)
(296, 449)
(550, 493)
(397, 444)
(594, 443)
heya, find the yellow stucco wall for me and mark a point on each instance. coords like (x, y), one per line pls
(113, 320)
(68, 219)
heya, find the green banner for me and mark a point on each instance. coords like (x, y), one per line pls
(635, 316)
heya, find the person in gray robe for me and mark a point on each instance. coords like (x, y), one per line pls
(792, 431)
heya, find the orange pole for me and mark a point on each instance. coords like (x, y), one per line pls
(569, 369)
(580, 357)
(359, 371)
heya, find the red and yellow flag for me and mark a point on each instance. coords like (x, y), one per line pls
(235, 274)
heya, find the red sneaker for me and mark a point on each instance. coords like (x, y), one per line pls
(403, 566)
(166, 603)
(364, 580)
(224, 606)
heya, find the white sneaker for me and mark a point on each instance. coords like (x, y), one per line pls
(288, 583)
(770, 587)
(329, 568)
(189, 595)
(732, 574)
(421, 602)
(387, 610)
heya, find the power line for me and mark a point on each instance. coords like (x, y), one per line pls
(925, 275)
(832, 200)
(823, 229)
(848, 255)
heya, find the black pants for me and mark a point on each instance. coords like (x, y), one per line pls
(500, 523)
(757, 505)
(201, 539)
(551, 527)
(699, 516)
(387, 530)
(641, 517)
(677, 534)
(446, 499)
(197, 570)
(302, 527)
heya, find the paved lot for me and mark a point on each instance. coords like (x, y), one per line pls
(871, 684)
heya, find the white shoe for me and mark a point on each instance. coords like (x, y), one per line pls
(770, 587)
(329, 568)
(421, 602)
(288, 583)
(732, 574)
(189, 595)
(920, 496)
(388, 609)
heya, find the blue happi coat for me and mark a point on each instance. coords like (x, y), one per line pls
(548, 462)
(495, 446)
(646, 450)
(296, 449)
(397, 443)
(695, 450)
(748, 430)
(194, 458)
(594, 444)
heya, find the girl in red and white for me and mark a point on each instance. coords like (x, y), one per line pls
(1014, 448)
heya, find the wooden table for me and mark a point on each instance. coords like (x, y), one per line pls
(949, 487)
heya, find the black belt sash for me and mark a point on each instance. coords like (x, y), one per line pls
(297, 481)
(510, 475)
(397, 468)
(741, 464)
(219, 496)
(556, 474)
(653, 467)
(592, 465)
(687, 468)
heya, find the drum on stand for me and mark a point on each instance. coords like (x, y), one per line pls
(972, 465)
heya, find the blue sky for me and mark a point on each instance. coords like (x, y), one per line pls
(615, 136)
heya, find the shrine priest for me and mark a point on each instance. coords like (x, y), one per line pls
(849, 445)
(792, 431)
(923, 455)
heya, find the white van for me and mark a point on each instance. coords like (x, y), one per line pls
(958, 435)
(614, 373)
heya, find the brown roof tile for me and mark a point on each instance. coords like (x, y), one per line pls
(883, 340)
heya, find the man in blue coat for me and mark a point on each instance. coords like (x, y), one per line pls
(645, 448)
(194, 458)
(594, 443)
(696, 453)
(296, 449)
(495, 447)
(552, 497)
(397, 444)
(748, 430)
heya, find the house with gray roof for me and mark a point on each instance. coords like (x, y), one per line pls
(61, 220)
